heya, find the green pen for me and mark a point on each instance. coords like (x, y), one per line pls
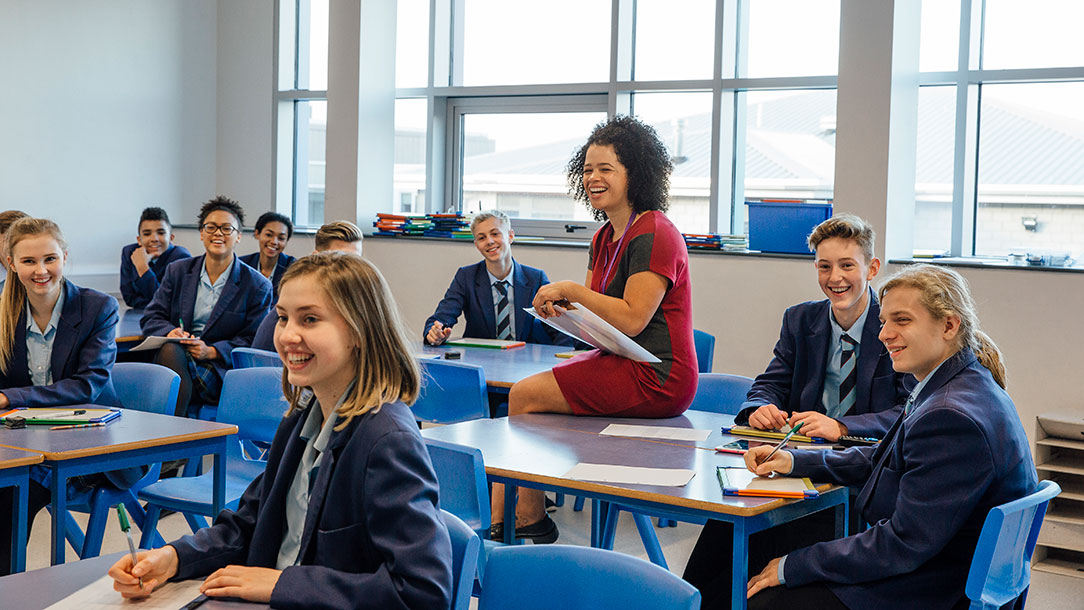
(126, 527)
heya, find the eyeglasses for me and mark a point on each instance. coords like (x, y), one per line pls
(211, 229)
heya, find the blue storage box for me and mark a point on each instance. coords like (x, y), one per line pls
(784, 226)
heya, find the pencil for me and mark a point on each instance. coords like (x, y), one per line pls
(94, 425)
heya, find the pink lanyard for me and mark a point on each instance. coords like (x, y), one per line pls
(611, 260)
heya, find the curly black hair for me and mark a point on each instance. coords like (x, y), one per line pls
(645, 159)
(226, 205)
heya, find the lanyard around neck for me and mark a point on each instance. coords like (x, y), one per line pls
(610, 260)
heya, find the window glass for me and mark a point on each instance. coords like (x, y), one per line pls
(409, 182)
(932, 229)
(1034, 34)
(557, 41)
(940, 42)
(310, 130)
(793, 38)
(663, 55)
(312, 56)
(516, 162)
(412, 43)
(683, 122)
(1030, 177)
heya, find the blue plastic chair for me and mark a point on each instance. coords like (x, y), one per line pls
(451, 392)
(248, 357)
(720, 393)
(465, 549)
(1001, 567)
(548, 576)
(140, 386)
(705, 350)
(251, 400)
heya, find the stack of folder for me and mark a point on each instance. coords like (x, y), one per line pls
(714, 241)
(455, 226)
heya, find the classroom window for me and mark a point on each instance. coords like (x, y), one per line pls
(662, 55)
(792, 38)
(410, 129)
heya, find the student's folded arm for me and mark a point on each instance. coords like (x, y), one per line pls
(451, 306)
(402, 520)
(225, 542)
(850, 467)
(772, 387)
(96, 357)
(142, 290)
(157, 315)
(871, 424)
(949, 469)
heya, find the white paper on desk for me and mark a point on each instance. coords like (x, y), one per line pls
(630, 475)
(154, 343)
(581, 323)
(99, 595)
(674, 434)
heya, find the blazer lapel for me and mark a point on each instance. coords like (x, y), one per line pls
(869, 353)
(880, 455)
(819, 350)
(318, 493)
(67, 330)
(483, 292)
(229, 291)
(18, 375)
(189, 286)
(524, 296)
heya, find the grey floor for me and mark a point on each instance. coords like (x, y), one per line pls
(1048, 591)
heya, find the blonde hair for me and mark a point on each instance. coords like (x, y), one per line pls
(386, 368)
(944, 293)
(480, 217)
(341, 230)
(845, 226)
(8, 217)
(13, 297)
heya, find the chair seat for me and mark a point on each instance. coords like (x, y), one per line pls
(181, 493)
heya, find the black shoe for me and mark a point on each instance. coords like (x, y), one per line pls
(543, 531)
(551, 506)
(496, 532)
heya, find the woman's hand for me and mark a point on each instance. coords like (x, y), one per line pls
(178, 332)
(552, 293)
(781, 462)
(199, 350)
(252, 584)
(154, 567)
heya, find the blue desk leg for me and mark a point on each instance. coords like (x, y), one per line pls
(218, 495)
(509, 514)
(18, 526)
(58, 490)
(740, 565)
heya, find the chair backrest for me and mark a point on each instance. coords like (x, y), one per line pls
(466, 545)
(705, 350)
(1001, 568)
(248, 357)
(720, 393)
(462, 478)
(451, 392)
(252, 400)
(548, 576)
(146, 387)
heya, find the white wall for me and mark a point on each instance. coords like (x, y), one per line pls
(108, 107)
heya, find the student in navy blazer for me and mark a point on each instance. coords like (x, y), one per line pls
(471, 290)
(273, 232)
(346, 514)
(143, 263)
(958, 451)
(242, 302)
(805, 381)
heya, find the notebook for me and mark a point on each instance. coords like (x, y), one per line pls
(738, 481)
(91, 414)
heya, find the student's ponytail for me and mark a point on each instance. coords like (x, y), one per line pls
(989, 356)
(13, 297)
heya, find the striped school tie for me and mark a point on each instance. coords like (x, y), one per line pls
(848, 374)
(504, 311)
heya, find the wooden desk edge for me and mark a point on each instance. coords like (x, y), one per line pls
(132, 338)
(158, 442)
(28, 460)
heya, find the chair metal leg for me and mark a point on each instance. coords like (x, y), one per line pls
(578, 504)
(650, 540)
(609, 528)
(559, 500)
(92, 543)
(150, 536)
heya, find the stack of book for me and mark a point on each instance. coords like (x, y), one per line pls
(712, 241)
(456, 226)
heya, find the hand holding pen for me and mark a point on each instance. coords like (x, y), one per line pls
(153, 568)
(766, 461)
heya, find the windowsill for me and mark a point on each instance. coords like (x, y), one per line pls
(983, 263)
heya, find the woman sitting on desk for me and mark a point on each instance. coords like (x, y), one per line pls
(637, 280)
(56, 348)
(957, 451)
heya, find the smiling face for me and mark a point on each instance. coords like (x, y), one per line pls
(313, 340)
(38, 262)
(844, 275)
(916, 341)
(493, 241)
(215, 243)
(272, 239)
(155, 236)
(605, 179)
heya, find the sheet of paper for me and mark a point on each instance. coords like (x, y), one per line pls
(99, 595)
(743, 479)
(581, 323)
(154, 343)
(630, 475)
(674, 434)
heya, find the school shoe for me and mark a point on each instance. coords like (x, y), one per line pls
(551, 506)
(541, 532)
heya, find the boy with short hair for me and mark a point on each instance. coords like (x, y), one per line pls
(492, 293)
(143, 263)
(829, 371)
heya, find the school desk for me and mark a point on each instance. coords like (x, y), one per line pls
(134, 439)
(129, 333)
(14, 472)
(504, 367)
(536, 450)
(43, 588)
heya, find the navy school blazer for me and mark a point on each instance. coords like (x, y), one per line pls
(138, 290)
(471, 294)
(242, 305)
(373, 536)
(283, 262)
(794, 379)
(926, 488)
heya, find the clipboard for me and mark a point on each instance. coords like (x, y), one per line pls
(738, 481)
(582, 324)
(488, 343)
(41, 415)
(750, 431)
